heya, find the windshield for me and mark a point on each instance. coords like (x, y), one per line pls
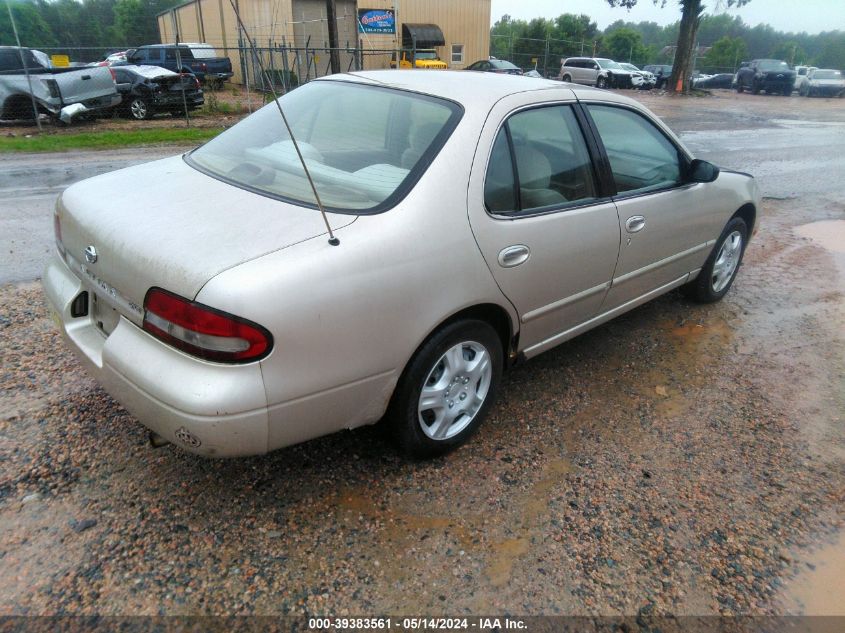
(630, 67)
(827, 74)
(426, 54)
(773, 65)
(609, 63)
(365, 146)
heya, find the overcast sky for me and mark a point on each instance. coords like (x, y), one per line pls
(811, 16)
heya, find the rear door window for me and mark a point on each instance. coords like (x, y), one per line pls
(553, 167)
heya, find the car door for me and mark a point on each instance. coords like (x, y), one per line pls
(667, 226)
(549, 234)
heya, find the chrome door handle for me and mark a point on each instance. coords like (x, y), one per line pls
(513, 255)
(635, 223)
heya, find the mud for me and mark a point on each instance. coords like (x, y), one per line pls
(680, 459)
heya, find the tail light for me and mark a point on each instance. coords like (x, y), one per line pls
(196, 83)
(203, 67)
(203, 331)
(113, 74)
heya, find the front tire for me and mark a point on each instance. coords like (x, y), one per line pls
(601, 82)
(447, 389)
(567, 78)
(719, 271)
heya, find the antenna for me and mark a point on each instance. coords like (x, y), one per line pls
(332, 238)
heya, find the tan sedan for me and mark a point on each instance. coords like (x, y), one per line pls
(481, 219)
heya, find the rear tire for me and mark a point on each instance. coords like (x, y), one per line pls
(739, 87)
(139, 109)
(567, 79)
(446, 389)
(719, 271)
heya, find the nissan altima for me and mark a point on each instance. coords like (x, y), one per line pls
(471, 222)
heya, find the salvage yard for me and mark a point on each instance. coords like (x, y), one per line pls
(681, 459)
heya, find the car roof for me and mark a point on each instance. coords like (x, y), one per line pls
(474, 90)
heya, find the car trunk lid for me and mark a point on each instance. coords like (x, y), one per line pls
(166, 224)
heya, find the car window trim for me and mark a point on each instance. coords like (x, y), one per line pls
(549, 209)
(683, 158)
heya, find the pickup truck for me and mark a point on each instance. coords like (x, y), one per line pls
(770, 75)
(59, 92)
(199, 59)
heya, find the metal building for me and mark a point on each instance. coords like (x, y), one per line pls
(367, 30)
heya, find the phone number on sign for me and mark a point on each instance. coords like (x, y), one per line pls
(327, 624)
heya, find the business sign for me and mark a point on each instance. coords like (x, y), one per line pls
(376, 21)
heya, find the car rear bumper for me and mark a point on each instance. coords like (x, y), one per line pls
(206, 408)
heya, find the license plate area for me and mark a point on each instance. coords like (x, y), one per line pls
(105, 317)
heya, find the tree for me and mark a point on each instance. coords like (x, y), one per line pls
(33, 30)
(790, 52)
(624, 45)
(691, 11)
(726, 54)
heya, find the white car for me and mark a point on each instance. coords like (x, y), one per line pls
(473, 220)
(823, 82)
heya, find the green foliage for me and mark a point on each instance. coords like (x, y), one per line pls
(70, 24)
(105, 140)
(726, 54)
(31, 25)
(790, 51)
(624, 45)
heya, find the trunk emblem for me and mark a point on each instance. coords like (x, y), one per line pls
(91, 254)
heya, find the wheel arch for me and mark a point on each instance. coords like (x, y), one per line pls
(748, 213)
(15, 103)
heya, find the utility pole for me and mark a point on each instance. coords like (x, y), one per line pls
(331, 15)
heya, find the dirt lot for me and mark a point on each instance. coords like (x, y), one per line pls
(681, 459)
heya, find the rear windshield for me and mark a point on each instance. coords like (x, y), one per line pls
(365, 146)
(203, 52)
(827, 74)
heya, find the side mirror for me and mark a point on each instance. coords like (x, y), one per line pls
(702, 171)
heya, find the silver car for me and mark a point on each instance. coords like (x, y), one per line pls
(480, 220)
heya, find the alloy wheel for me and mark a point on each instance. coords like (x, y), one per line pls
(726, 261)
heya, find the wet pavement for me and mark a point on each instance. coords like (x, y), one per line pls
(681, 459)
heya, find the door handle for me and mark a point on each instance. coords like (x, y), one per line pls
(635, 223)
(84, 77)
(513, 255)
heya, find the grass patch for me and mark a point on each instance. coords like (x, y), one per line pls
(106, 139)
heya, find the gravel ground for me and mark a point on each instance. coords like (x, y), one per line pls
(681, 459)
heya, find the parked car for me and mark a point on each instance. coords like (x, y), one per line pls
(649, 79)
(800, 77)
(720, 80)
(198, 59)
(770, 75)
(599, 72)
(823, 82)
(60, 92)
(148, 90)
(494, 65)
(661, 72)
(484, 233)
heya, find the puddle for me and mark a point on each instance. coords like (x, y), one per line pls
(829, 234)
(819, 589)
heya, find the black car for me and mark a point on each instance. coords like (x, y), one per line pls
(772, 75)
(720, 80)
(661, 72)
(148, 90)
(494, 65)
(198, 58)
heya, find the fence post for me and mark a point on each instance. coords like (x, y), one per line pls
(546, 58)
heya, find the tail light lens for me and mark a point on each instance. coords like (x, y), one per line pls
(203, 67)
(203, 331)
(113, 74)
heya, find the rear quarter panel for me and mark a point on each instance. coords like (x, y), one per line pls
(346, 319)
